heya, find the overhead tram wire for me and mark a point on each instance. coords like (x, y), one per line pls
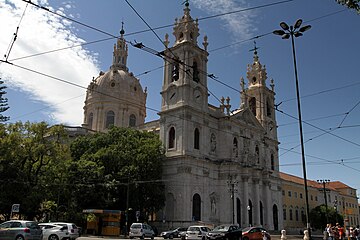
(70, 19)
(8, 51)
(347, 113)
(114, 36)
(134, 33)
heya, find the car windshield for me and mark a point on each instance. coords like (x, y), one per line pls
(246, 229)
(193, 229)
(136, 226)
(221, 228)
(32, 225)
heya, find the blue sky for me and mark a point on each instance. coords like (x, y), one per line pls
(327, 57)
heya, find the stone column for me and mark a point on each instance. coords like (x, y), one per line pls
(268, 208)
(256, 204)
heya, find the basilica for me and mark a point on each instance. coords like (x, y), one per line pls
(222, 165)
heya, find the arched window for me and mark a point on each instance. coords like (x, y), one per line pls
(175, 70)
(235, 147)
(132, 120)
(252, 105)
(196, 77)
(296, 215)
(110, 119)
(290, 214)
(171, 143)
(196, 139)
(196, 210)
(90, 120)
(268, 108)
(272, 162)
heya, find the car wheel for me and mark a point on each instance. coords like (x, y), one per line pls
(142, 237)
(131, 237)
(171, 236)
(152, 237)
(19, 238)
(203, 238)
(53, 237)
(245, 238)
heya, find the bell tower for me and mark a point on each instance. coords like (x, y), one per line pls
(185, 67)
(258, 97)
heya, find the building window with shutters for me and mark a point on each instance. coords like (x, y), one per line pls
(196, 139)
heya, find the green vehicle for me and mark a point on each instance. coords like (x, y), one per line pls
(20, 230)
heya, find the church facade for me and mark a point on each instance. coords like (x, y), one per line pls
(221, 164)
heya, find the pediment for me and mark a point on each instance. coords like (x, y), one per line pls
(247, 117)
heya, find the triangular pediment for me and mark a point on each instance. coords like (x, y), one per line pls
(247, 117)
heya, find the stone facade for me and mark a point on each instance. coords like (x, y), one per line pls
(221, 164)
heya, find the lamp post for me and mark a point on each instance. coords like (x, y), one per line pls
(323, 182)
(232, 190)
(286, 33)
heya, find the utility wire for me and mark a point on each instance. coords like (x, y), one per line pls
(7, 54)
(347, 113)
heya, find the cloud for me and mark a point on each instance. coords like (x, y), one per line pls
(239, 25)
(39, 32)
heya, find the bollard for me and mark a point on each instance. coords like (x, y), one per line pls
(306, 235)
(283, 235)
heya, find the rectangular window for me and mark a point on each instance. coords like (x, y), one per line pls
(290, 215)
(295, 194)
(289, 193)
(284, 214)
(283, 192)
(297, 215)
(311, 197)
(300, 195)
(316, 198)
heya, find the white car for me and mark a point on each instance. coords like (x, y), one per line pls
(197, 232)
(141, 230)
(72, 228)
(54, 232)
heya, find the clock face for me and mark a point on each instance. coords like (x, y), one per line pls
(197, 96)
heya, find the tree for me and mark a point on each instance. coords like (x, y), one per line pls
(30, 153)
(107, 166)
(352, 4)
(318, 217)
(3, 103)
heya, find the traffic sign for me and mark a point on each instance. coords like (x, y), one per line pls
(15, 208)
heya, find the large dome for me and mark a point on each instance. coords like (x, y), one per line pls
(116, 96)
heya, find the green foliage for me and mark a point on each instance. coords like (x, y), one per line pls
(318, 217)
(352, 4)
(29, 157)
(106, 164)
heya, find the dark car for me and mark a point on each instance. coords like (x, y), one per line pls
(255, 233)
(225, 232)
(175, 233)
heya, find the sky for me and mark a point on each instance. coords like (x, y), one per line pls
(54, 59)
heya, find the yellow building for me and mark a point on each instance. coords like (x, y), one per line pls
(338, 195)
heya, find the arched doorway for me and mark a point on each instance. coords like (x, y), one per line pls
(250, 208)
(238, 211)
(275, 217)
(196, 213)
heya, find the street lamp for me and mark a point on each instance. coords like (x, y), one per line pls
(287, 32)
(323, 182)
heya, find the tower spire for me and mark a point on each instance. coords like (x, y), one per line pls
(120, 52)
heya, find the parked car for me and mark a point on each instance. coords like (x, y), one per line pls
(54, 232)
(197, 232)
(175, 233)
(141, 230)
(72, 228)
(20, 230)
(255, 233)
(225, 232)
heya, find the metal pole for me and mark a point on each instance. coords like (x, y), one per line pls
(301, 134)
(326, 205)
